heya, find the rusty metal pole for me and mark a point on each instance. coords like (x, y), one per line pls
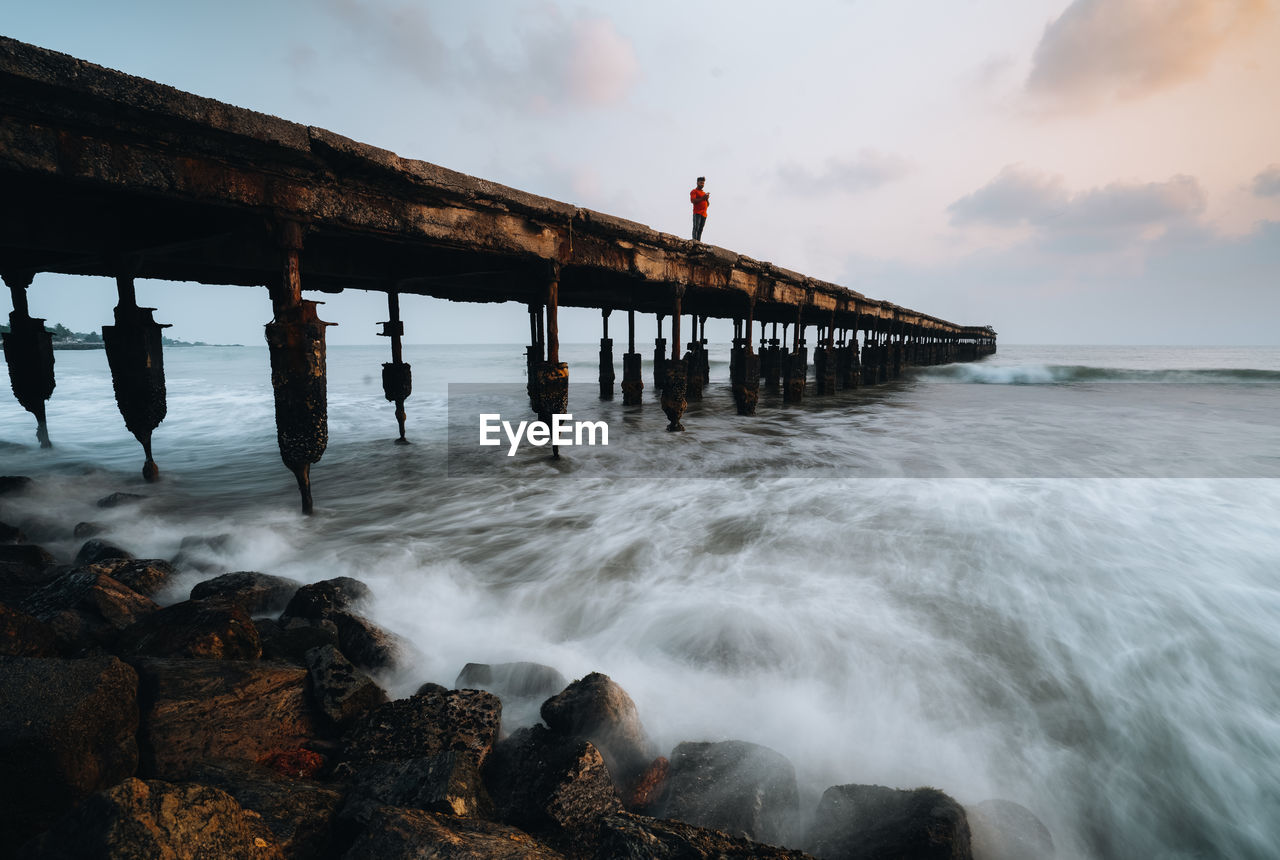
(295, 339)
(606, 359)
(797, 363)
(533, 355)
(673, 392)
(553, 375)
(745, 367)
(28, 351)
(660, 357)
(397, 376)
(134, 347)
(632, 378)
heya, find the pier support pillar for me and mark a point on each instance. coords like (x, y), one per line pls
(533, 354)
(606, 359)
(674, 386)
(773, 372)
(135, 355)
(295, 340)
(697, 364)
(28, 351)
(660, 357)
(797, 363)
(745, 369)
(632, 380)
(397, 375)
(824, 361)
(553, 374)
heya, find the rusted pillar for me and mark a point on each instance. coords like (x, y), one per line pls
(745, 368)
(660, 357)
(397, 376)
(135, 355)
(825, 367)
(28, 351)
(553, 375)
(773, 373)
(295, 339)
(606, 358)
(632, 380)
(797, 364)
(673, 391)
(533, 354)
(696, 378)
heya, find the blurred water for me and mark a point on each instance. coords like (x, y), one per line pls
(1050, 576)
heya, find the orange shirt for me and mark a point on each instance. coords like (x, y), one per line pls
(698, 198)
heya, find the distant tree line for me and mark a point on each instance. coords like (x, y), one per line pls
(62, 334)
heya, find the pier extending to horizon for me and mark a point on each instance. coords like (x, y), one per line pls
(112, 175)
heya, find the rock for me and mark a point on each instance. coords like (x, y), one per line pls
(151, 820)
(200, 629)
(626, 836)
(197, 552)
(465, 721)
(26, 555)
(431, 687)
(542, 781)
(599, 710)
(447, 782)
(87, 530)
(11, 534)
(95, 550)
(295, 764)
(290, 645)
(13, 484)
(741, 788)
(67, 729)
(299, 813)
(116, 499)
(195, 710)
(146, 576)
(412, 834)
(861, 822)
(522, 687)
(364, 643)
(647, 794)
(320, 598)
(22, 635)
(24, 568)
(1004, 830)
(256, 592)
(341, 691)
(87, 609)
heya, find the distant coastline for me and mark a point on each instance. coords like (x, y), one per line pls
(65, 338)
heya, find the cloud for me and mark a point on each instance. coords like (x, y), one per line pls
(1108, 216)
(869, 170)
(1267, 183)
(1099, 50)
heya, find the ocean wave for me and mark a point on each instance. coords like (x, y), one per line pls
(1057, 374)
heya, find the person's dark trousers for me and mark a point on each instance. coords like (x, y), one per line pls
(699, 221)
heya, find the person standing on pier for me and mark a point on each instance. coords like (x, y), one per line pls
(700, 200)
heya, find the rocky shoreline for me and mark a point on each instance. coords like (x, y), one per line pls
(246, 722)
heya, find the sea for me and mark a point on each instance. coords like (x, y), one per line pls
(1051, 576)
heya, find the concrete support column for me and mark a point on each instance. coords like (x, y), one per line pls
(606, 358)
(632, 380)
(136, 357)
(28, 351)
(673, 391)
(397, 376)
(295, 340)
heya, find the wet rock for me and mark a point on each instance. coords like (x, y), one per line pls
(26, 555)
(364, 643)
(861, 822)
(200, 552)
(625, 836)
(87, 609)
(341, 691)
(22, 635)
(13, 484)
(295, 764)
(333, 600)
(67, 728)
(599, 710)
(431, 687)
(320, 598)
(88, 530)
(542, 781)
(447, 782)
(196, 710)
(647, 794)
(291, 644)
(465, 721)
(1004, 830)
(256, 592)
(200, 629)
(299, 813)
(515, 680)
(147, 820)
(11, 534)
(412, 834)
(117, 499)
(147, 576)
(24, 568)
(95, 550)
(741, 788)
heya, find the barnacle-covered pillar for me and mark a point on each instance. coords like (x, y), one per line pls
(772, 358)
(696, 378)
(533, 354)
(295, 340)
(553, 375)
(797, 363)
(673, 390)
(632, 381)
(606, 359)
(660, 357)
(28, 351)
(397, 376)
(745, 368)
(824, 355)
(135, 353)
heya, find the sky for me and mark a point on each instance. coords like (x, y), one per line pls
(1066, 171)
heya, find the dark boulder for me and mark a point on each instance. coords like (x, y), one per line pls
(741, 788)
(151, 820)
(320, 598)
(11, 534)
(117, 499)
(597, 709)
(412, 834)
(624, 836)
(87, 610)
(256, 592)
(196, 710)
(334, 601)
(647, 794)
(296, 763)
(87, 530)
(447, 782)
(339, 690)
(22, 635)
(866, 822)
(25, 568)
(25, 554)
(1004, 830)
(95, 550)
(147, 576)
(200, 629)
(522, 687)
(544, 782)
(13, 484)
(67, 729)
(465, 721)
(291, 643)
(364, 643)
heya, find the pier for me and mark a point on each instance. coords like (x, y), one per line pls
(111, 175)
